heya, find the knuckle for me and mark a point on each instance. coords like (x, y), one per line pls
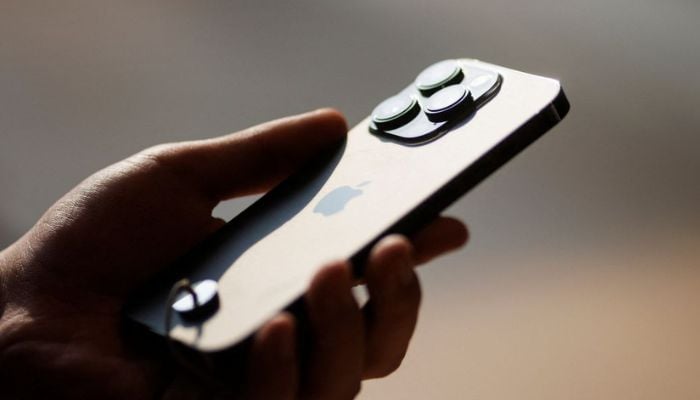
(159, 154)
(169, 158)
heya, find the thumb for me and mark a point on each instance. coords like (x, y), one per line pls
(253, 160)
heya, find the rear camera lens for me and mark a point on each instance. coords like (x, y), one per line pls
(395, 112)
(438, 76)
(449, 103)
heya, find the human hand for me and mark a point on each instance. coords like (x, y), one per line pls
(63, 284)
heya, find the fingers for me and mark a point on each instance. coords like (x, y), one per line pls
(335, 362)
(348, 345)
(392, 311)
(441, 236)
(253, 160)
(273, 371)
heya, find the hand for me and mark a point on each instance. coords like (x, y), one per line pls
(63, 284)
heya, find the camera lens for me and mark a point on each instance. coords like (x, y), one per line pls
(449, 103)
(395, 112)
(438, 76)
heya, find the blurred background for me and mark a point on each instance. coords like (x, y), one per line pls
(582, 278)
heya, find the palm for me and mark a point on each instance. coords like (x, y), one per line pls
(98, 251)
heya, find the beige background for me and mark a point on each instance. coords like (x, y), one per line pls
(582, 278)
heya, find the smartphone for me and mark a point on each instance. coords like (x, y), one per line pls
(420, 150)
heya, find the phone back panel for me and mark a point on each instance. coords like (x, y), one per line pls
(265, 258)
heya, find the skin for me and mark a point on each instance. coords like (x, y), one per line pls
(63, 284)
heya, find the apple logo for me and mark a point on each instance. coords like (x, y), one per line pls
(335, 201)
